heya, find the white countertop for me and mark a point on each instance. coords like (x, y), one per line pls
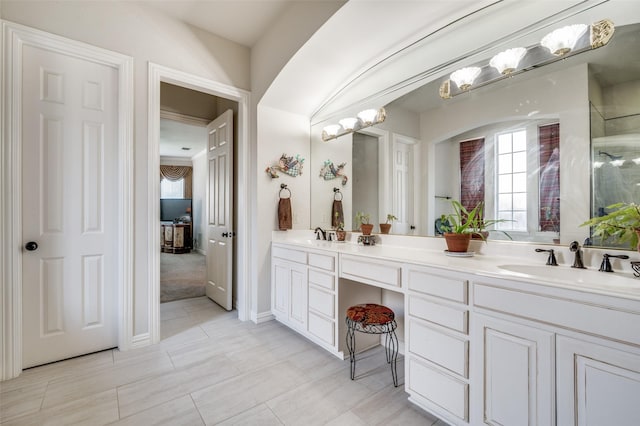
(529, 268)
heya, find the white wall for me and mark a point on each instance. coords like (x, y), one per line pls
(275, 132)
(280, 132)
(148, 36)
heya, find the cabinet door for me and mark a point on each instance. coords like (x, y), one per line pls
(298, 297)
(289, 293)
(517, 364)
(597, 385)
(281, 281)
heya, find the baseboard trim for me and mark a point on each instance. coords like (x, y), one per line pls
(263, 317)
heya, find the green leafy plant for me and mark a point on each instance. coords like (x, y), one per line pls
(362, 218)
(390, 218)
(461, 221)
(621, 225)
(481, 225)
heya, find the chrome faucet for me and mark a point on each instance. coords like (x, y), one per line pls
(320, 234)
(551, 260)
(605, 266)
(577, 261)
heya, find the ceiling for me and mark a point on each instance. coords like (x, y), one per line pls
(174, 136)
(241, 21)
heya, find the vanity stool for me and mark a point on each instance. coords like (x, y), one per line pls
(371, 318)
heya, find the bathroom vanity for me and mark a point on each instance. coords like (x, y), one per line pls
(491, 339)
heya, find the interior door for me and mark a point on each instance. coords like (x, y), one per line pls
(69, 206)
(220, 211)
(403, 186)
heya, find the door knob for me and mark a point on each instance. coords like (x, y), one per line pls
(31, 246)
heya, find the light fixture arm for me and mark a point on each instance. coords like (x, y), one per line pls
(330, 132)
(600, 34)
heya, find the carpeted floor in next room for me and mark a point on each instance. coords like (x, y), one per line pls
(182, 276)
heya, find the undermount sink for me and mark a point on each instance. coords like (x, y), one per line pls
(571, 275)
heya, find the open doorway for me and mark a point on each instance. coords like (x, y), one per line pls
(242, 191)
(185, 212)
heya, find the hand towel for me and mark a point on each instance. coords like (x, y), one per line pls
(284, 214)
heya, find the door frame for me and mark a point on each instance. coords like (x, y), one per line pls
(14, 38)
(158, 74)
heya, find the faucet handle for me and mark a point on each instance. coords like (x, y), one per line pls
(605, 266)
(551, 260)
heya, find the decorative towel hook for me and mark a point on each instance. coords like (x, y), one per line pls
(336, 192)
(283, 186)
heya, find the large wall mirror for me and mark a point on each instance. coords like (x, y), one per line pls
(545, 149)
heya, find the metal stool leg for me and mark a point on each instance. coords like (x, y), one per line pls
(393, 346)
(351, 345)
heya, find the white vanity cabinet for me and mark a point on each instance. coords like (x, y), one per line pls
(437, 339)
(290, 287)
(516, 364)
(598, 382)
(546, 355)
(303, 294)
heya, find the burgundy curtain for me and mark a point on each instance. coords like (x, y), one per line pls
(471, 173)
(549, 148)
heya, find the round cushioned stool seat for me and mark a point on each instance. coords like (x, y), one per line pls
(372, 318)
(370, 314)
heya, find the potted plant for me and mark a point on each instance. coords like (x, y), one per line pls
(621, 225)
(386, 227)
(480, 231)
(362, 220)
(459, 225)
(341, 234)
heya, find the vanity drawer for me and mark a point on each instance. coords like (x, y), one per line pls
(322, 261)
(440, 348)
(445, 316)
(322, 328)
(440, 388)
(450, 288)
(610, 322)
(370, 271)
(321, 279)
(322, 301)
(288, 254)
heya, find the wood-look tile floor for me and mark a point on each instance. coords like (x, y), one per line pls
(209, 369)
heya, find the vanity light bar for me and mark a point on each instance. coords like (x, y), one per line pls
(366, 118)
(558, 44)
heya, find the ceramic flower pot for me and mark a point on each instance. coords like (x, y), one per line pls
(385, 228)
(366, 228)
(341, 235)
(458, 243)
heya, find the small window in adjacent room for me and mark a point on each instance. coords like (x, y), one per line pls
(512, 180)
(172, 188)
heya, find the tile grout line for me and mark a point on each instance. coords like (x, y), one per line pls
(196, 407)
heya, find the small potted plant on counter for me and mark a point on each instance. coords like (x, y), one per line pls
(386, 227)
(622, 225)
(362, 219)
(459, 226)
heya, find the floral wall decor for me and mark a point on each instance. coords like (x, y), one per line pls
(289, 165)
(330, 171)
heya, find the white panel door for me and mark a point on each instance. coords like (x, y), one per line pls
(69, 205)
(403, 197)
(220, 215)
